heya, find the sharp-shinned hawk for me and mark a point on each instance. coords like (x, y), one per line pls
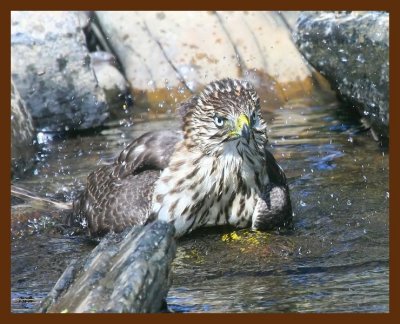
(215, 171)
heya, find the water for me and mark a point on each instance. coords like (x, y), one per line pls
(336, 259)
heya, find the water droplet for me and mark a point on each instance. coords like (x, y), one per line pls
(348, 202)
(360, 58)
(302, 203)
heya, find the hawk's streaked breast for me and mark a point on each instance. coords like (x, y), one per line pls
(215, 175)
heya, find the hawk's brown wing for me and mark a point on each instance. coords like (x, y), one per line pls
(274, 209)
(151, 151)
(119, 195)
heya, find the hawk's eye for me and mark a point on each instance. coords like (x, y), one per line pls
(219, 121)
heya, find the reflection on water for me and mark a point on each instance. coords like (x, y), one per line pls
(335, 260)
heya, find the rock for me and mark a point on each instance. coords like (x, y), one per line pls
(84, 18)
(22, 135)
(351, 49)
(111, 81)
(290, 18)
(124, 273)
(52, 69)
(167, 56)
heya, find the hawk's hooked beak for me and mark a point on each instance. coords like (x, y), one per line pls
(242, 127)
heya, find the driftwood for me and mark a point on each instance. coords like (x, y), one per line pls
(128, 272)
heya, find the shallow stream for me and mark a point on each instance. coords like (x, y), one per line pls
(336, 259)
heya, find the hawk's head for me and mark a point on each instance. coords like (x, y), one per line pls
(225, 116)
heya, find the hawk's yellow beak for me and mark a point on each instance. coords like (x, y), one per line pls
(243, 127)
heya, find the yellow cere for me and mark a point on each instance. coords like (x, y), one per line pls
(240, 121)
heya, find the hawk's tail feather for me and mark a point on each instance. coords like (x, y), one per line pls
(25, 194)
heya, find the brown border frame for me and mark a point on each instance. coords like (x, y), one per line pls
(385, 5)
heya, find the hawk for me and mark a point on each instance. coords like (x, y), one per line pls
(215, 171)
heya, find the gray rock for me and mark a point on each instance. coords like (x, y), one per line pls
(52, 69)
(111, 80)
(168, 55)
(351, 49)
(22, 135)
(124, 273)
